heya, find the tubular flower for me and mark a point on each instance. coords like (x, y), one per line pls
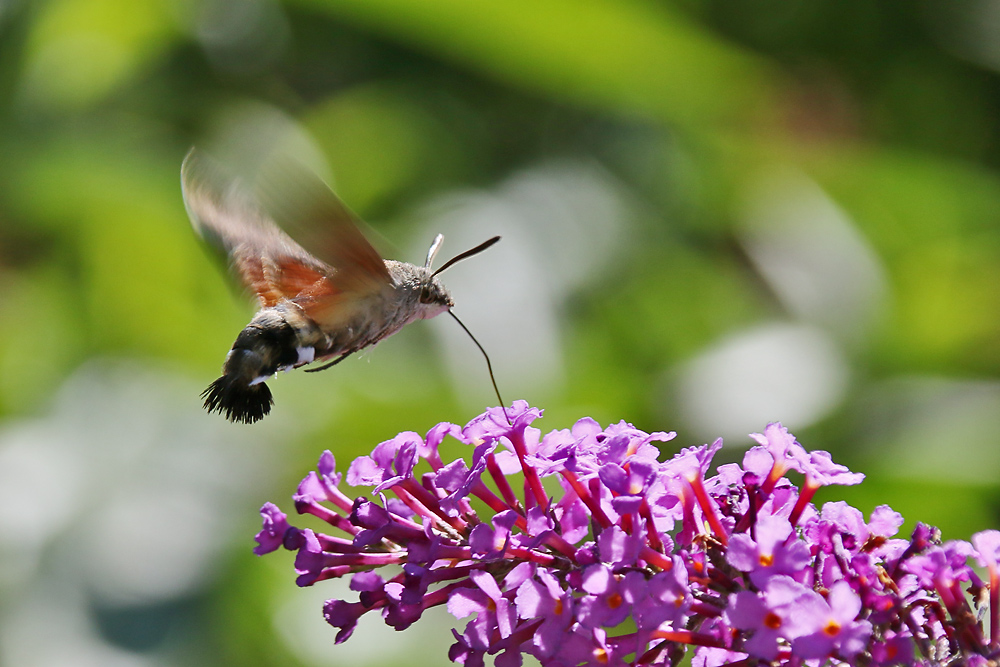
(582, 547)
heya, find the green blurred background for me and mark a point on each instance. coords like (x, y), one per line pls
(715, 215)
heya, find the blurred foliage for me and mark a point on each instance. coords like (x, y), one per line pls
(882, 117)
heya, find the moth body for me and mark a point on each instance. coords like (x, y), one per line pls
(283, 337)
(312, 308)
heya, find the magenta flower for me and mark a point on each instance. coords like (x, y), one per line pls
(276, 531)
(774, 551)
(775, 618)
(581, 547)
(543, 597)
(838, 632)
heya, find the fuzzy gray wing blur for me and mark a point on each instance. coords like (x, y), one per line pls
(268, 261)
(301, 203)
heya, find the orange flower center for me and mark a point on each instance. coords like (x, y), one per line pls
(832, 629)
(772, 620)
(767, 560)
(615, 600)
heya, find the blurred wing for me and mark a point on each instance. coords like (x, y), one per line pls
(266, 259)
(304, 205)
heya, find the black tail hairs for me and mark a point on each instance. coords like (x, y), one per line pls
(238, 401)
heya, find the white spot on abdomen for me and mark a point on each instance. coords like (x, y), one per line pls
(306, 355)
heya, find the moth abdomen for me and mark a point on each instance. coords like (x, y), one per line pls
(268, 344)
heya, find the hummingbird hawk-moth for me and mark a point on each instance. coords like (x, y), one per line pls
(311, 309)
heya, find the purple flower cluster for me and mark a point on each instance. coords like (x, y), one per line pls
(580, 547)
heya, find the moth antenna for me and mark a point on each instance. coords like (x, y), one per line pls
(489, 366)
(433, 250)
(465, 255)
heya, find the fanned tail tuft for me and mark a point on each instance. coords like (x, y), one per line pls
(238, 401)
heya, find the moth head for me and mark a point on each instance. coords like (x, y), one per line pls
(434, 298)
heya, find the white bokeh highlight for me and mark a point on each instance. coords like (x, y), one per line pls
(833, 289)
(792, 373)
(923, 427)
(813, 257)
(561, 223)
(121, 495)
